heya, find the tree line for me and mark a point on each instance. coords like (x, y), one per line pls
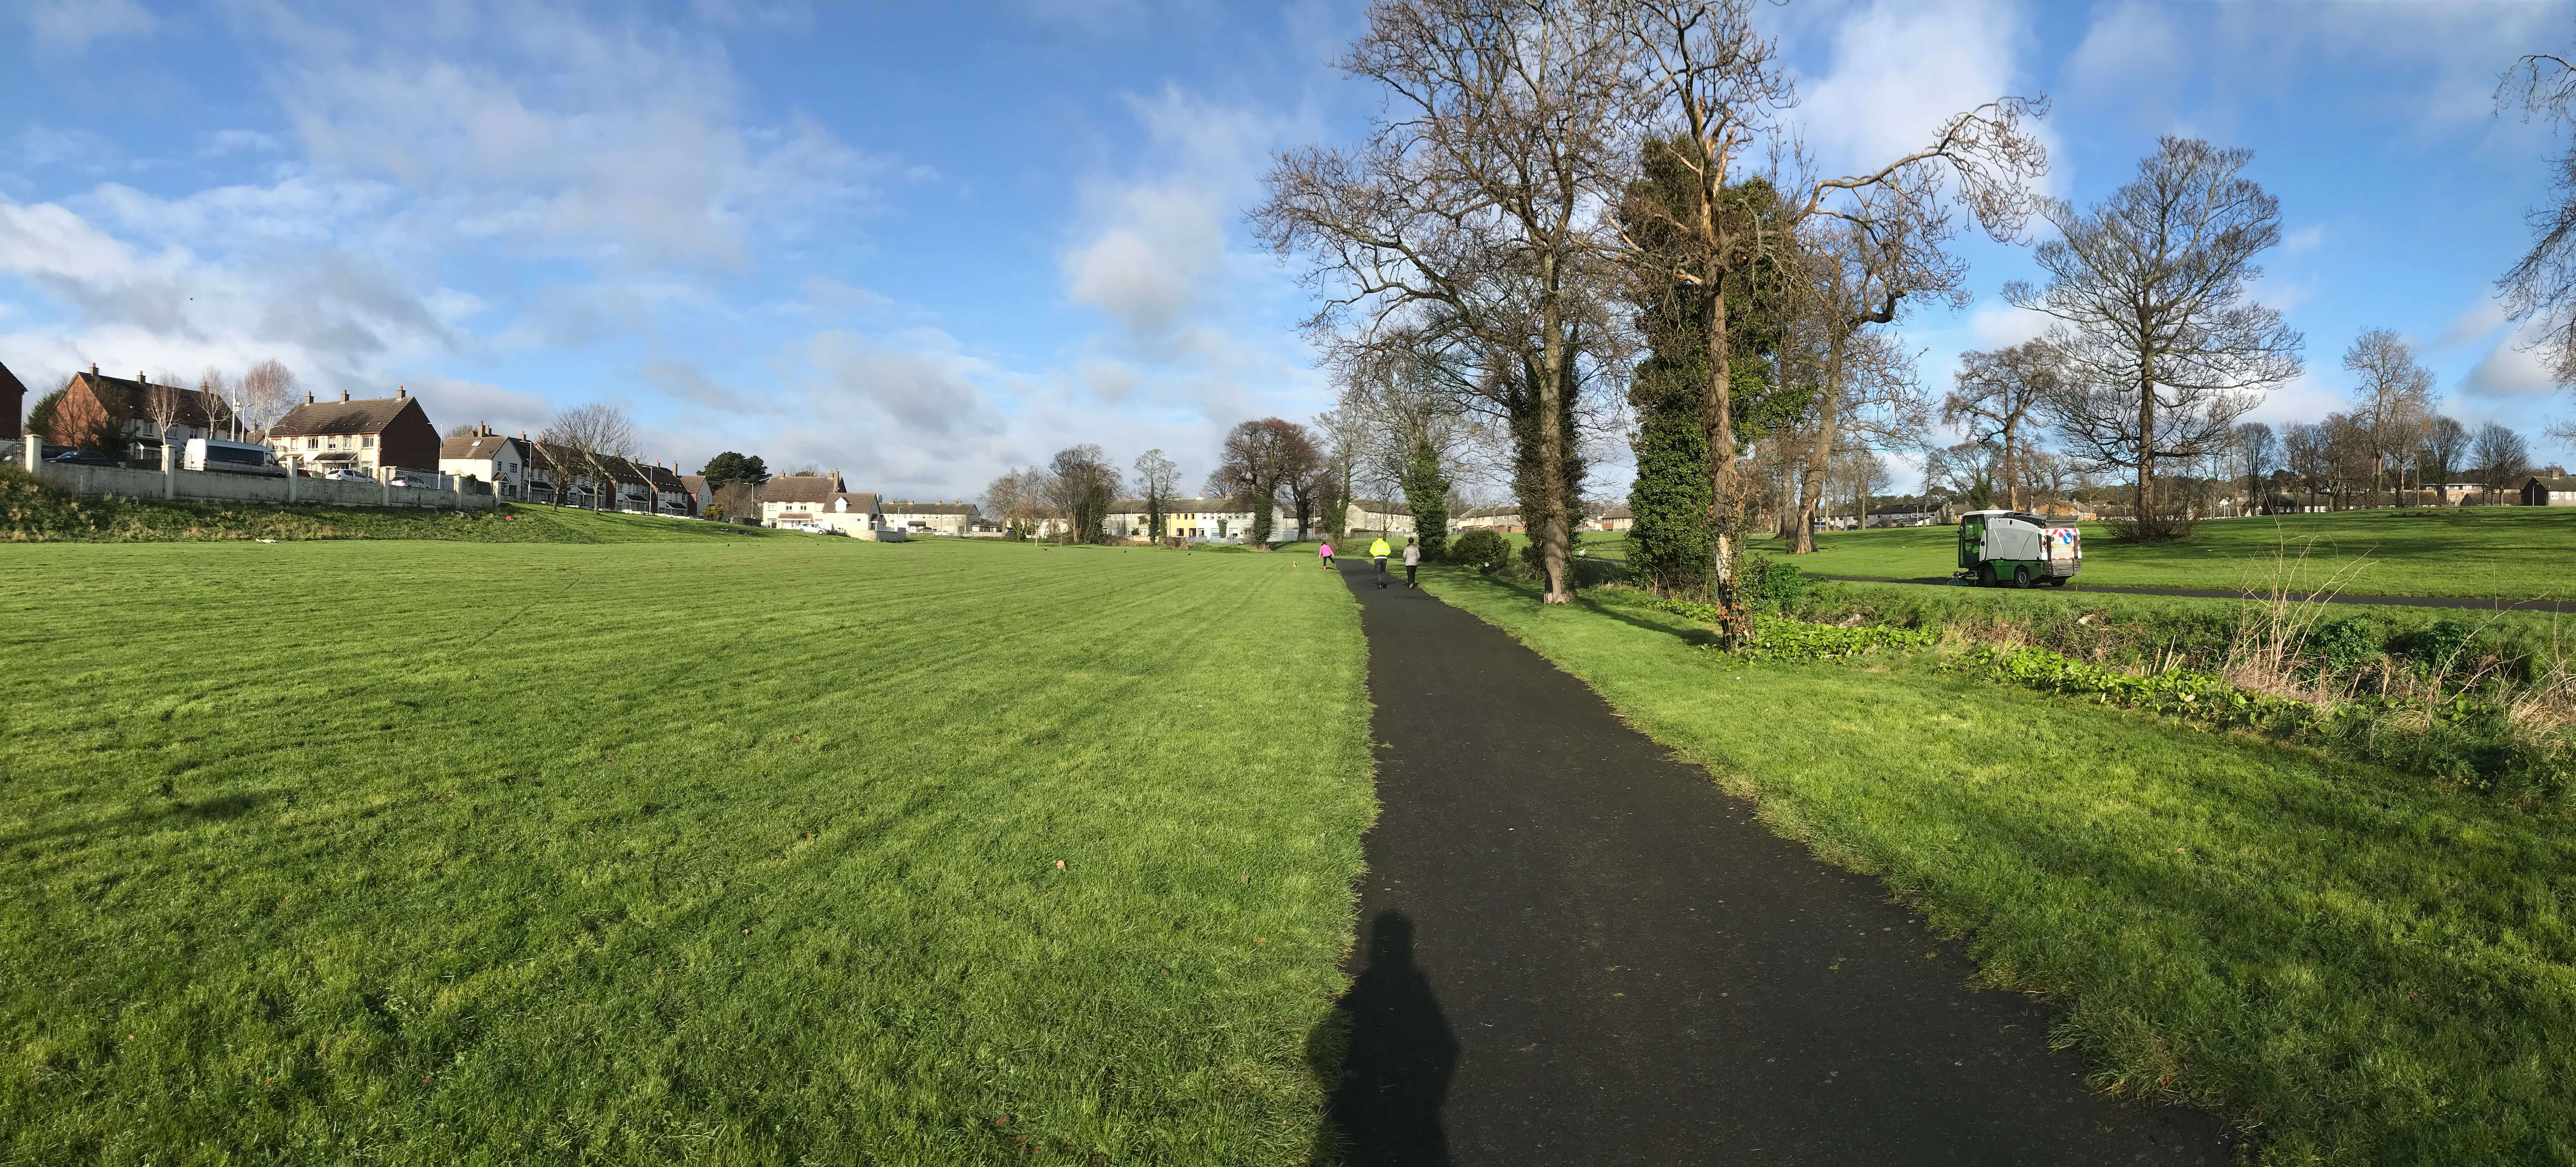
(1581, 217)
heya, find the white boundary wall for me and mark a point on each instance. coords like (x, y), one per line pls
(216, 486)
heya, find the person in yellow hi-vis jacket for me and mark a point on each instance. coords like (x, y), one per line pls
(1378, 550)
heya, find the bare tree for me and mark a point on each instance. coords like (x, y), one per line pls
(267, 392)
(164, 403)
(1018, 500)
(2164, 348)
(1258, 458)
(590, 440)
(1080, 483)
(2501, 456)
(1996, 398)
(216, 401)
(2395, 397)
(2446, 445)
(1470, 221)
(1156, 479)
(1720, 93)
(2256, 449)
(738, 500)
(2540, 289)
(1345, 439)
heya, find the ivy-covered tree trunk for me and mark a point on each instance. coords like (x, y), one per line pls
(1668, 534)
(1426, 491)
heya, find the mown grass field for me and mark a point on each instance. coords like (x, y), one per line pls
(2362, 968)
(713, 851)
(2478, 552)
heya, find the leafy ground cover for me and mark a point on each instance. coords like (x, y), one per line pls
(2356, 963)
(33, 513)
(2520, 552)
(738, 851)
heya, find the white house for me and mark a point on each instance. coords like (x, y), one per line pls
(1198, 520)
(1616, 518)
(1505, 519)
(1379, 515)
(799, 498)
(942, 518)
(485, 456)
(853, 514)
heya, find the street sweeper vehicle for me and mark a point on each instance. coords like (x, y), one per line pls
(2017, 547)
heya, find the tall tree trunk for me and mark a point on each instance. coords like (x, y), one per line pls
(1820, 456)
(1548, 527)
(2147, 526)
(1717, 418)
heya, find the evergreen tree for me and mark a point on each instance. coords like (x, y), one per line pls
(1426, 491)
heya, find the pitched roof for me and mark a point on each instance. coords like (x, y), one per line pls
(10, 384)
(1618, 512)
(367, 416)
(131, 397)
(803, 488)
(909, 507)
(2553, 485)
(474, 447)
(1379, 506)
(1501, 512)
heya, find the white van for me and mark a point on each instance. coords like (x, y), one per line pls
(230, 458)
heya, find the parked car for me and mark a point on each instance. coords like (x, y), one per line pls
(347, 475)
(415, 481)
(72, 457)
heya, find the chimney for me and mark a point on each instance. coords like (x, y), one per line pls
(140, 379)
(344, 395)
(93, 368)
(308, 399)
(400, 392)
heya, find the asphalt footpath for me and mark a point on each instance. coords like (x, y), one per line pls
(1575, 949)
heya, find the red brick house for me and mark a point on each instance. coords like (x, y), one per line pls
(105, 413)
(357, 435)
(13, 402)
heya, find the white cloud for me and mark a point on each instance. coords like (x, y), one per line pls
(1895, 71)
(2475, 321)
(2132, 53)
(1996, 326)
(2303, 238)
(924, 391)
(623, 143)
(68, 26)
(2510, 369)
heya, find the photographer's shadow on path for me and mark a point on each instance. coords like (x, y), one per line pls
(1385, 1056)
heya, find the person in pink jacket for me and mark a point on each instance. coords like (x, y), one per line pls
(1325, 552)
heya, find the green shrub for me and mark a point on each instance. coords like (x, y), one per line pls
(2459, 742)
(2340, 646)
(1772, 585)
(1482, 548)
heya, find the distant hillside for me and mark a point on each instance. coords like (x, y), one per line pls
(31, 512)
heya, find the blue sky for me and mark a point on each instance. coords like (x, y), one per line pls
(921, 243)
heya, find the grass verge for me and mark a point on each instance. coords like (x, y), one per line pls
(2355, 965)
(2478, 552)
(776, 851)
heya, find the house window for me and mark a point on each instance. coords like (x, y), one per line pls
(312, 443)
(369, 440)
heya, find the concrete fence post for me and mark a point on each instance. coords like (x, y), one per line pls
(385, 484)
(169, 470)
(294, 470)
(31, 450)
